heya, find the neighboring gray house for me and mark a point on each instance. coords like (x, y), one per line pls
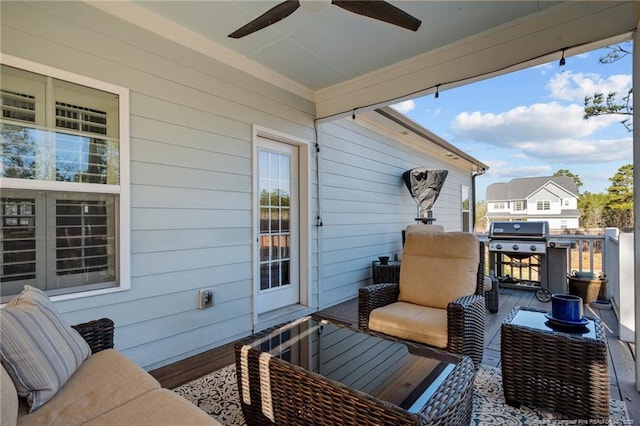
(550, 198)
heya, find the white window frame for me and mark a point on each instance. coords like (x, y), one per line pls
(123, 218)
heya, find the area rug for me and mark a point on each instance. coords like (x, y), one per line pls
(217, 395)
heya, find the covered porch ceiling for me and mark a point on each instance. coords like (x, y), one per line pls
(343, 62)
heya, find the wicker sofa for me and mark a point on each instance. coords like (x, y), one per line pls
(107, 389)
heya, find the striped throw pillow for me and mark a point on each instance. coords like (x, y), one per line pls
(37, 349)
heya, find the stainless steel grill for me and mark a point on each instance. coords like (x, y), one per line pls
(521, 255)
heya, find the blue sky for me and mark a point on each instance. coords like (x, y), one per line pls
(530, 122)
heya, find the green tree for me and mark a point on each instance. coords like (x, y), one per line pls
(592, 210)
(482, 221)
(612, 104)
(619, 209)
(576, 178)
(18, 149)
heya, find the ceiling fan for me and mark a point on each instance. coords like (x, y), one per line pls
(376, 9)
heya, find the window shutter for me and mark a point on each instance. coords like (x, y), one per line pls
(81, 119)
(18, 106)
(19, 239)
(82, 237)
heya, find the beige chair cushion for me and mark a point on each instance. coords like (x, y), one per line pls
(9, 401)
(106, 380)
(411, 322)
(438, 268)
(423, 228)
(160, 407)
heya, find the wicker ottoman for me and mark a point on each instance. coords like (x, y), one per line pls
(566, 372)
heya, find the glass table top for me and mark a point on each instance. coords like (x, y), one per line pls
(538, 320)
(384, 369)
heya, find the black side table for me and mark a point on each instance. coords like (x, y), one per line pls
(389, 273)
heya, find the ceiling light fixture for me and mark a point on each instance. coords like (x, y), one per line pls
(437, 91)
(562, 60)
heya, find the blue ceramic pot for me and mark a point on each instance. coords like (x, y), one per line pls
(566, 307)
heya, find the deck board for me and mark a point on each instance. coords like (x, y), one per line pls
(621, 354)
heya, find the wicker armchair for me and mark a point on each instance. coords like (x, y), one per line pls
(97, 333)
(435, 265)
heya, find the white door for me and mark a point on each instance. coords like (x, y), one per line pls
(278, 281)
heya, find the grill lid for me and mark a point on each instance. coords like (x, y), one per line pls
(523, 230)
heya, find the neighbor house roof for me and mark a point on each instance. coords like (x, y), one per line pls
(521, 188)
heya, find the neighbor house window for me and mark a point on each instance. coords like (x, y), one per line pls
(543, 205)
(518, 206)
(499, 205)
(61, 178)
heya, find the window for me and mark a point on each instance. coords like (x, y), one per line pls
(518, 206)
(465, 203)
(543, 205)
(500, 205)
(63, 146)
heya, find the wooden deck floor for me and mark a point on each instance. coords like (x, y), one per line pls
(621, 354)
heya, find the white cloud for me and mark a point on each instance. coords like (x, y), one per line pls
(502, 169)
(538, 122)
(574, 87)
(405, 106)
(581, 151)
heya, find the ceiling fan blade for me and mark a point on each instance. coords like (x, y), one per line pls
(271, 16)
(382, 11)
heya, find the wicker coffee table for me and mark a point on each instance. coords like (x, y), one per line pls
(315, 372)
(565, 371)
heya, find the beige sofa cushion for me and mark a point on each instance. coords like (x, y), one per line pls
(438, 268)
(411, 322)
(106, 380)
(160, 407)
(9, 401)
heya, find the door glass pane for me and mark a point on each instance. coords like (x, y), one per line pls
(275, 189)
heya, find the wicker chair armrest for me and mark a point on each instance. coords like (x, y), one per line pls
(97, 333)
(465, 323)
(372, 297)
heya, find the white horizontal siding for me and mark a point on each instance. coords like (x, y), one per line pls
(366, 205)
(191, 174)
